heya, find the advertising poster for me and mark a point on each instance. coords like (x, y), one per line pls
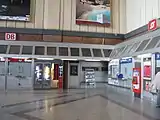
(96, 12)
(47, 72)
(39, 72)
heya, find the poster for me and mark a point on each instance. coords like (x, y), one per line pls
(96, 12)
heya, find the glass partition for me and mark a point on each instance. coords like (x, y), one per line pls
(3, 49)
(74, 51)
(86, 52)
(153, 43)
(39, 50)
(127, 48)
(51, 50)
(121, 51)
(63, 51)
(27, 50)
(107, 52)
(142, 45)
(97, 52)
(133, 48)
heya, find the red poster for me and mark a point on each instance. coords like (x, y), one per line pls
(147, 71)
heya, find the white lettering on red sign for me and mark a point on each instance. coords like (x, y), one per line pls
(10, 36)
(152, 25)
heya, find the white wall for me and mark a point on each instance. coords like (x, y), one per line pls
(140, 12)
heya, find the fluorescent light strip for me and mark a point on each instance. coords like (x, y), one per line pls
(70, 59)
(45, 59)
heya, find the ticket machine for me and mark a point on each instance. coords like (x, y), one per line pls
(136, 82)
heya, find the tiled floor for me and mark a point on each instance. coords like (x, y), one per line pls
(105, 103)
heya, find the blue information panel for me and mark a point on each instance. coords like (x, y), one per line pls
(128, 60)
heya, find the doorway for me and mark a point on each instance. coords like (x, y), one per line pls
(74, 75)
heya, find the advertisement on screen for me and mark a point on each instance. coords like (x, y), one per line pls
(15, 10)
(47, 72)
(93, 12)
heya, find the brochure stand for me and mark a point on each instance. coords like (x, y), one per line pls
(90, 77)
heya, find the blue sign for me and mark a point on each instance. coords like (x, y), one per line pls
(157, 56)
(123, 61)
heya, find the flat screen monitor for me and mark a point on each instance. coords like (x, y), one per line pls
(18, 10)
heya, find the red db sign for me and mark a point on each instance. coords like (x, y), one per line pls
(152, 25)
(10, 36)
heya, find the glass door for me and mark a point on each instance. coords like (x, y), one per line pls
(42, 78)
(2, 75)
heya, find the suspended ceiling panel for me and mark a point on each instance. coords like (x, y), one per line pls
(148, 43)
(54, 50)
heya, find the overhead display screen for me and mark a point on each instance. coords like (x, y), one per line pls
(18, 10)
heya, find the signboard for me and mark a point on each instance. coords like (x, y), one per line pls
(10, 36)
(96, 12)
(153, 24)
(128, 60)
(157, 56)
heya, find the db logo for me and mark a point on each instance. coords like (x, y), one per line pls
(10, 36)
(152, 25)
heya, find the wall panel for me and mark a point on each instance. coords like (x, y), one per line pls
(67, 15)
(51, 17)
(19, 24)
(25, 37)
(60, 14)
(74, 27)
(52, 38)
(39, 13)
(122, 16)
(33, 8)
(92, 28)
(3, 24)
(84, 28)
(11, 24)
(72, 39)
(116, 16)
(143, 11)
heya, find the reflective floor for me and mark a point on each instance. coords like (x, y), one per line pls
(103, 103)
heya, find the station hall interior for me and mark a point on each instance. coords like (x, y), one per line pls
(79, 59)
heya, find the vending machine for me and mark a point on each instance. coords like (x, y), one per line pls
(136, 82)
